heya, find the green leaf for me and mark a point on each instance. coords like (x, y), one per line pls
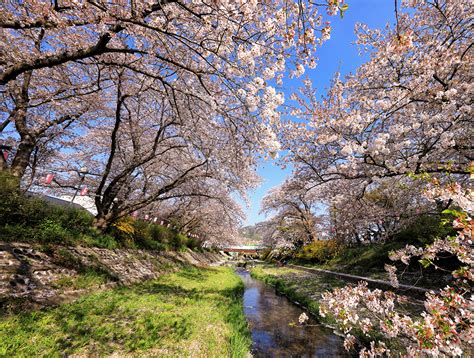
(342, 9)
(425, 263)
(449, 211)
(445, 222)
(456, 213)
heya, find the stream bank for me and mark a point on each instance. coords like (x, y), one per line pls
(306, 288)
(33, 276)
(194, 312)
(300, 287)
(273, 322)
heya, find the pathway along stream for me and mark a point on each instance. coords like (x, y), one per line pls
(269, 316)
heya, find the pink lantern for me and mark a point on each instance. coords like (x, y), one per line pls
(5, 155)
(84, 191)
(49, 178)
(154, 219)
(147, 217)
(135, 214)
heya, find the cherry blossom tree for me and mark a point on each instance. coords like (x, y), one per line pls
(405, 113)
(188, 68)
(41, 108)
(379, 212)
(142, 149)
(446, 326)
(391, 139)
(220, 53)
(213, 218)
(294, 212)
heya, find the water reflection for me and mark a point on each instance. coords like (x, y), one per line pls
(269, 316)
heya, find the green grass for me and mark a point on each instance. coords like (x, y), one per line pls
(363, 260)
(369, 259)
(195, 312)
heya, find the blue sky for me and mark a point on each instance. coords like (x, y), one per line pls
(337, 54)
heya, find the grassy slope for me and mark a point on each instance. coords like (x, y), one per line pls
(369, 260)
(195, 312)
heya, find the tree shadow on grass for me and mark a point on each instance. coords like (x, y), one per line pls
(168, 290)
(103, 323)
(198, 275)
(97, 325)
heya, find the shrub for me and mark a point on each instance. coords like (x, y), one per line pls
(179, 241)
(160, 233)
(193, 243)
(143, 238)
(141, 234)
(31, 219)
(12, 232)
(124, 227)
(320, 251)
(424, 229)
(99, 240)
(73, 219)
(51, 231)
(11, 199)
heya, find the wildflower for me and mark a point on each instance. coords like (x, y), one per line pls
(303, 318)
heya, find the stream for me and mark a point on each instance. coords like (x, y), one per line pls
(269, 315)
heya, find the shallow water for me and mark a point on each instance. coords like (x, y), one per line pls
(269, 316)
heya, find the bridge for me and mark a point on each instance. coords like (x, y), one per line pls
(244, 249)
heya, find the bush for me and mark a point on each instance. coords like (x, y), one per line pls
(320, 251)
(12, 232)
(123, 229)
(178, 242)
(160, 233)
(51, 231)
(194, 244)
(143, 236)
(424, 229)
(73, 219)
(11, 200)
(99, 240)
(31, 219)
(157, 237)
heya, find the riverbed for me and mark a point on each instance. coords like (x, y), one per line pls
(270, 317)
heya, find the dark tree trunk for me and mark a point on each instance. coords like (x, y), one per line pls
(22, 156)
(102, 222)
(3, 163)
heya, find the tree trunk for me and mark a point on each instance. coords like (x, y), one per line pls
(3, 163)
(22, 157)
(102, 222)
